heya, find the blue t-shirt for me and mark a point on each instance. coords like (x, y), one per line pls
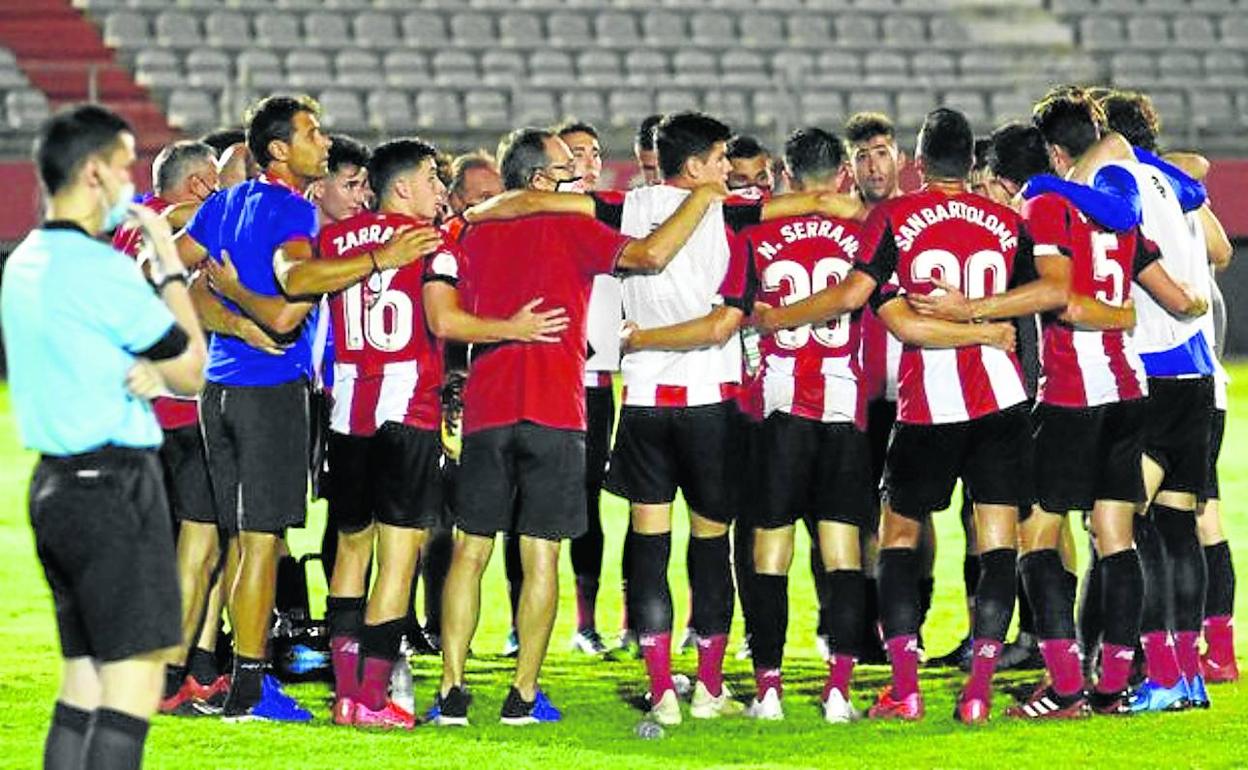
(75, 313)
(251, 221)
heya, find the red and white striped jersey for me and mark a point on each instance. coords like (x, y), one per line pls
(967, 241)
(1088, 368)
(811, 371)
(172, 412)
(387, 364)
(879, 355)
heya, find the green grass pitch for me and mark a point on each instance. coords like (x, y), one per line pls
(596, 696)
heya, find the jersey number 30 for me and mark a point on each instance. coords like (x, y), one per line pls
(800, 284)
(983, 275)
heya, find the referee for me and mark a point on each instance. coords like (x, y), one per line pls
(89, 342)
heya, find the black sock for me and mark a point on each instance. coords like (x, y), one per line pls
(62, 749)
(626, 571)
(586, 550)
(649, 595)
(587, 594)
(927, 586)
(899, 591)
(174, 676)
(743, 568)
(382, 640)
(1045, 581)
(970, 575)
(1220, 594)
(845, 593)
(344, 615)
(994, 597)
(710, 585)
(1026, 617)
(292, 586)
(821, 589)
(245, 684)
(870, 612)
(1090, 621)
(1122, 597)
(1152, 555)
(433, 569)
(769, 603)
(114, 741)
(514, 568)
(1188, 577)
(202, 665)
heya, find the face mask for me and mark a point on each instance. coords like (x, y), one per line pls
(576, 185)
(116, 213)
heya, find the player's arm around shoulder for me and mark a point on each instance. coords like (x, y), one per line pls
(514, 204)
(652, 253)
(929, 332)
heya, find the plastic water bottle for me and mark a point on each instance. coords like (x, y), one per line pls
(401, 691)
(649, 731)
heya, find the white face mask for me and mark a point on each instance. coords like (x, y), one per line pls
(571, 185)
(115, 214)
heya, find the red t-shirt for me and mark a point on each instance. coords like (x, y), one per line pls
(967, 241)
(509, 264)
(172, 412)
(387, 364)
(1082, 367)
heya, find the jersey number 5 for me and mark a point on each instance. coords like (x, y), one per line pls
(385, 324)
(826, 272)
(1105, 268)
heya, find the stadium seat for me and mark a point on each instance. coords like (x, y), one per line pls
(421, 29)
(1171, 106)
(1133, 68)
(913, 106)
(455, 69)
(837, 69)
(519, 29)
(712, 29)
(887, 68)
(343, 111)
(822, 108)
(278, 29)
(876, 5)
(357, 69)
(503, 68)
(568, 29)
(26, 108)
(731, 106)
(1213, 110)
(227, 29)
(1180, 68)
(439, 110)
(616, 29)
(1100, 33)
(486, 110)
(1195, 31)
(551, 69)
(124, 29)
(773, 108)
(1226, 68)
(207, 68)
(870, 101)
(934, 68)
(792, 67)
(309, 70)
(664, 28)
(1148, 31)
(743, 68)
(627, 108)
(1011, 106)
(907, 31)
(646, 68)
(175, 29)
(1124, 7)
(1234, 30)
(533, 108)
(809, 30)
(583, 105)
(330, 30)
(969, 103)
(675, 100)
(472, 28)
(406, 69)
(260, 70)
(694, 67)
(389, 111)
(156, 68)
(946, 30)
(192, 110)
(759, 30)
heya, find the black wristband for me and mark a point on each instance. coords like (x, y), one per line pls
(168, 279)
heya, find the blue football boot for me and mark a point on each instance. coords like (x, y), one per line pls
(1150, 696)
(274, 706)
(1197, 695)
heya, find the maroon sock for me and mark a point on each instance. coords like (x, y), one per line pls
(1163, 666)
(1187, 653)
(1220, 637)
(984, 656)
(375, 684)
(345, 658)
(711, 651)
(1061, 658)
(903, 653)
(657, 651)
(840, 671)
(768, 679)
(1116, 660)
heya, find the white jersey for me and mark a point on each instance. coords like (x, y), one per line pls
(689, 287)
(606, 311)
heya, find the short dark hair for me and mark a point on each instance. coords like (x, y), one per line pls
(864, 126)
(743, 146)
(468, 162)
(1018, 153)
(521, 153)
(176, 160)
(683, 135)
(1133, 115)
(983, 153)
(645, 131)
(72, 135)
(272, 118)
(813, 153)
(575, 127)
(224, 138)
(396, 157)
(947, 144)
(347, 151)
(1069, 120)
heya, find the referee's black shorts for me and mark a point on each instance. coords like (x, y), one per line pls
(186, 476)
(105, 539)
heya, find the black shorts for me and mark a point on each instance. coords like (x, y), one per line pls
(881, 414)
(105, 538)
(523, 478)
(1217, 428)
(600, 417)
(1176, 435)
(806, 469)
(698, 449)
(1088, 454)
(257, 442)
(992, 455)
(186, 476)
(392, 477)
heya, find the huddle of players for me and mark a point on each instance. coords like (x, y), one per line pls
(695, 268)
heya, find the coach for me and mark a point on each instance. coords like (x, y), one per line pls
(88, 342)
